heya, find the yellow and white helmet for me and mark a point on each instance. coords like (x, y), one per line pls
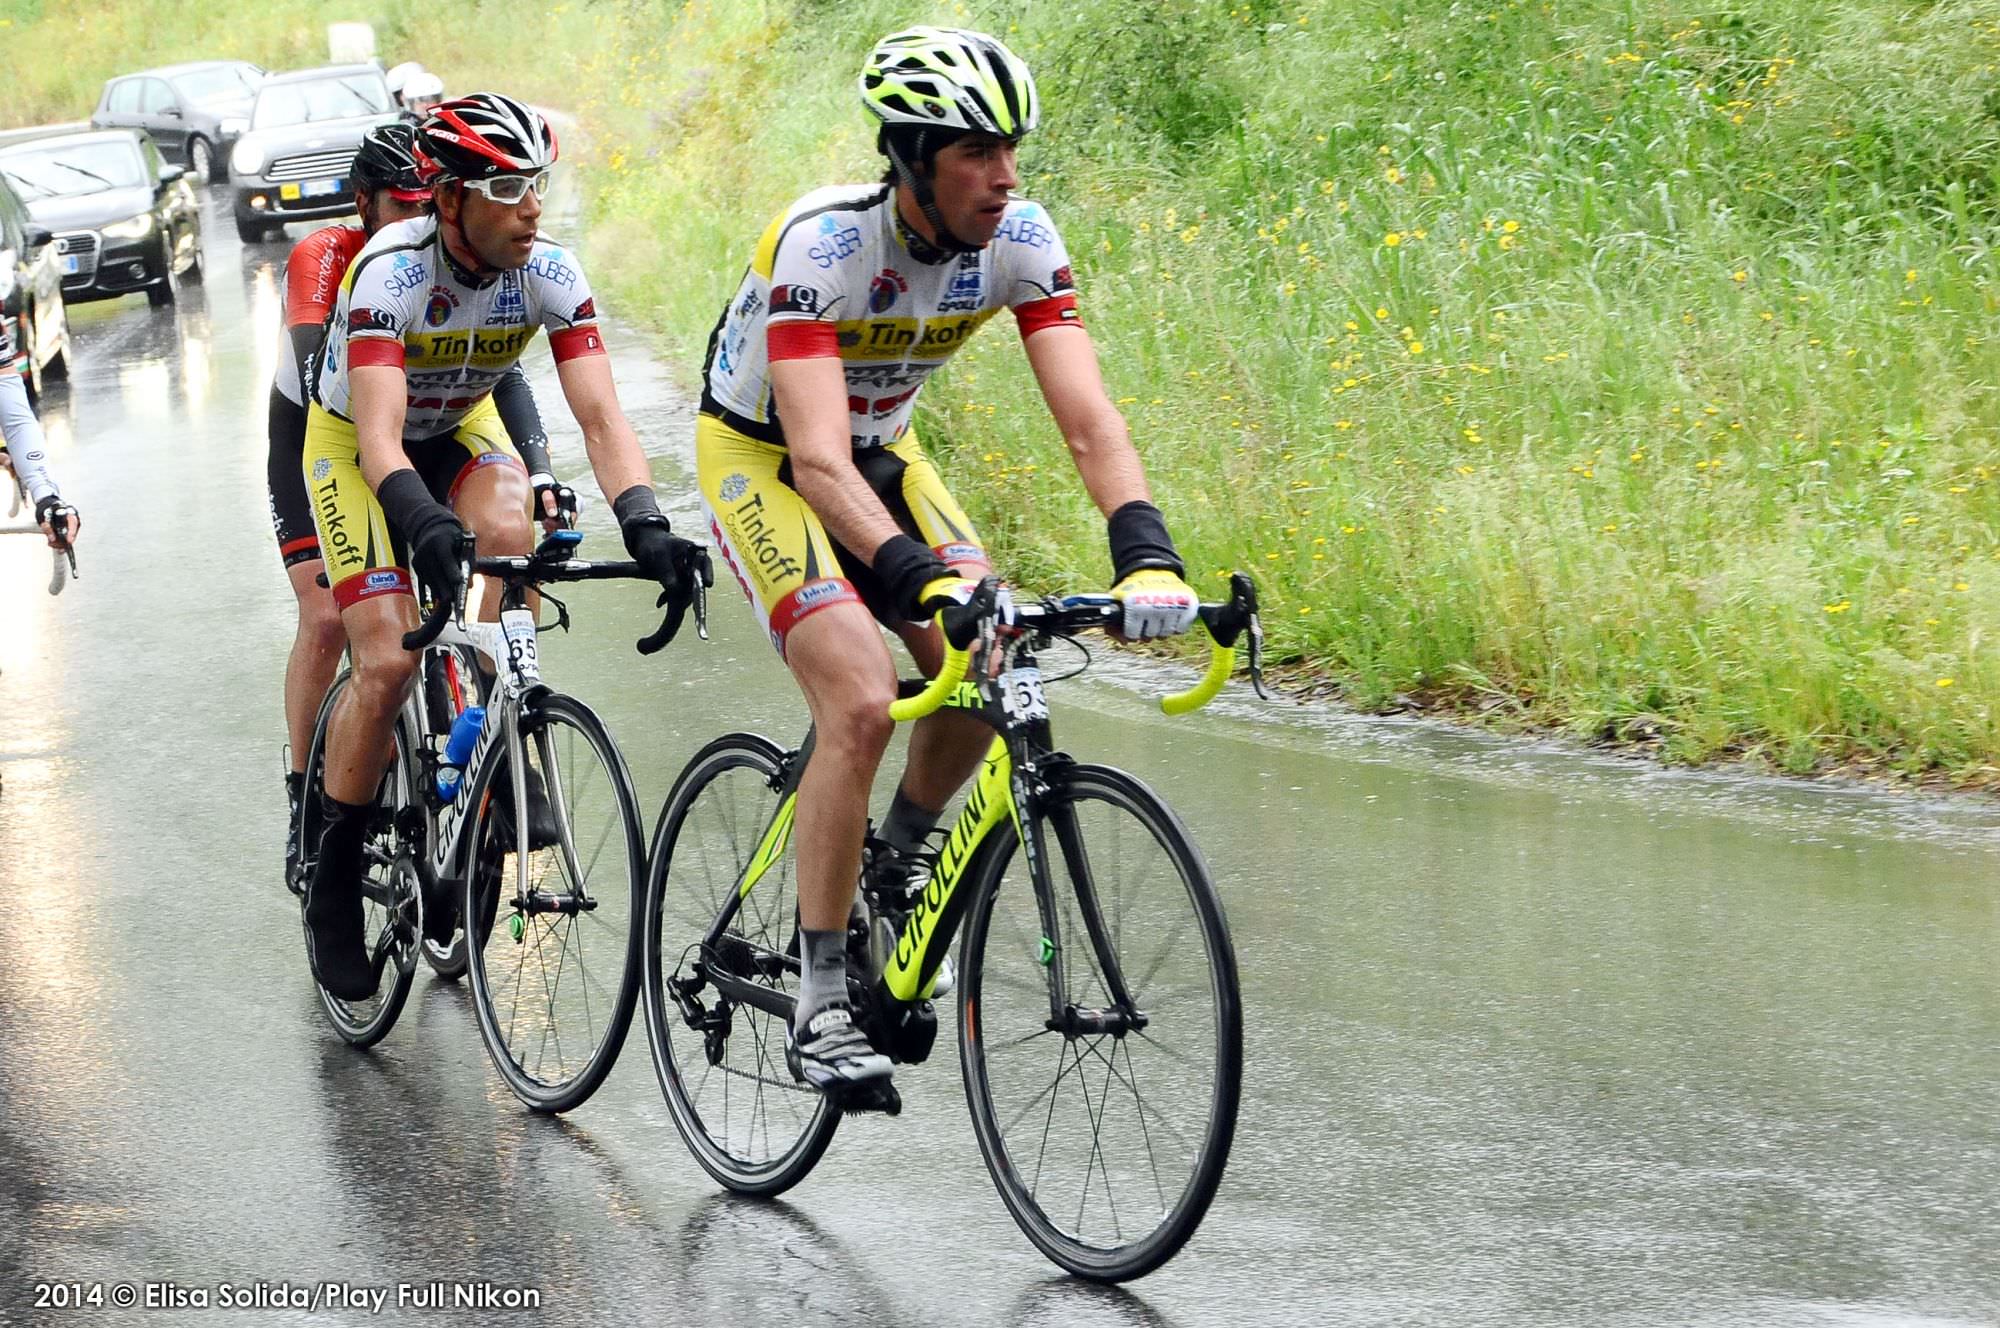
(950, 79)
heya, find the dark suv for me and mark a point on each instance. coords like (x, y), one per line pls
(194, 112)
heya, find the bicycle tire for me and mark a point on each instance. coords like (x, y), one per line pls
(1013, 956)
(706, 833)
(364, 1023)
(606, 1013)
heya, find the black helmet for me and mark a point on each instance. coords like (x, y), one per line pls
(387, 160)
(485, 134)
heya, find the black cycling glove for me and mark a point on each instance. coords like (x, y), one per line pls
(661, 554)
(437, 541)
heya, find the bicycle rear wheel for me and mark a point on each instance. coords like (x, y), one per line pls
(1106, 1136)
(390, 893)
(554, 972)
(721, 1061)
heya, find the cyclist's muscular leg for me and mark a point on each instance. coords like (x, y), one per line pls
(493, 502)
(841, 664)
(361, 733)
(315, 656)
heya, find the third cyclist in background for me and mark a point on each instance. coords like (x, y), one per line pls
(819, 491)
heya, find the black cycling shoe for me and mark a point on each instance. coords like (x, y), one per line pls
(336, 928)
(543, 832)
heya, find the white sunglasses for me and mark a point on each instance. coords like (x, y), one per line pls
(510, 189)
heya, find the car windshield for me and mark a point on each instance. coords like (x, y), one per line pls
(74, 168)
(320, 99)
(205, 87)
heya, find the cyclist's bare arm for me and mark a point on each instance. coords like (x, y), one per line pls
(1065, 364)
(615, 455)
(812, 401)
(378, 395)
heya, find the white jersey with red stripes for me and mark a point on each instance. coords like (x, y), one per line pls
(405, 301)
(839, 273)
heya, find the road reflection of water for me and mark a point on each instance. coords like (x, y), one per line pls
(1533, 1037)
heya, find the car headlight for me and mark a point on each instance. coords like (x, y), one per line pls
(233, 126)
(132, 228)
(247, 158)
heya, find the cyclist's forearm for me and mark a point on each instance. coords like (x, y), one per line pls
(1110, 469)
(842, 500)
(378, 396)
(616, 458)
(24, 438)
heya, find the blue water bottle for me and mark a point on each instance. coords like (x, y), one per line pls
(464, 734)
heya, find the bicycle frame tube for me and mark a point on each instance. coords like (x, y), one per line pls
(908, 973)
(511, 640)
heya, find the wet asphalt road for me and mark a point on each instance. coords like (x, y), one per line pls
(1533, 1037)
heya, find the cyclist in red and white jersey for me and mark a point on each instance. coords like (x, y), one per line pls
(388, 187)
(402, 441)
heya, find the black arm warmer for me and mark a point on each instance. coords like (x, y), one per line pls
(1139, 540)
(515, 401)
(306, 339)
(406, 500)
(906, 566)
(636, 504)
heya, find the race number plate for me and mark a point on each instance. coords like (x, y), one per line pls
(523, 657)
(1021, 694)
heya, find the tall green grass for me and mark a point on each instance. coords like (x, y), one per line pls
(1628, 368)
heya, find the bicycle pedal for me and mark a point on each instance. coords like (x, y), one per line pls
(879, 1096)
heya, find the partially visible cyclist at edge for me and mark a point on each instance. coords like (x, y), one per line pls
(387, 188)
(819, 491)
(432, 312)
(22, 457)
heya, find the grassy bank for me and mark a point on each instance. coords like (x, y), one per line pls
(1628, 368)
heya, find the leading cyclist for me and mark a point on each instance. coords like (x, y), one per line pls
(430, 314)
(823, 500)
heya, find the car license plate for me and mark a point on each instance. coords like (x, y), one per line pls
(70, 265)
(320, 188)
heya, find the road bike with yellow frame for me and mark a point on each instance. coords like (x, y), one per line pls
(1100, 1021)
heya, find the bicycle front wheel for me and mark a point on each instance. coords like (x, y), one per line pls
(720, 1058)
(1106, 1123)
(551, 894)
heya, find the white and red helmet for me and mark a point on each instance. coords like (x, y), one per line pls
(485, 134)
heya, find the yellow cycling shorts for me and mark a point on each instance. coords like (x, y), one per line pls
(782, 556)
(364, 558)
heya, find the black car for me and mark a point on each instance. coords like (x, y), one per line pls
(124, 220)
(193, 111)
(31, 299)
